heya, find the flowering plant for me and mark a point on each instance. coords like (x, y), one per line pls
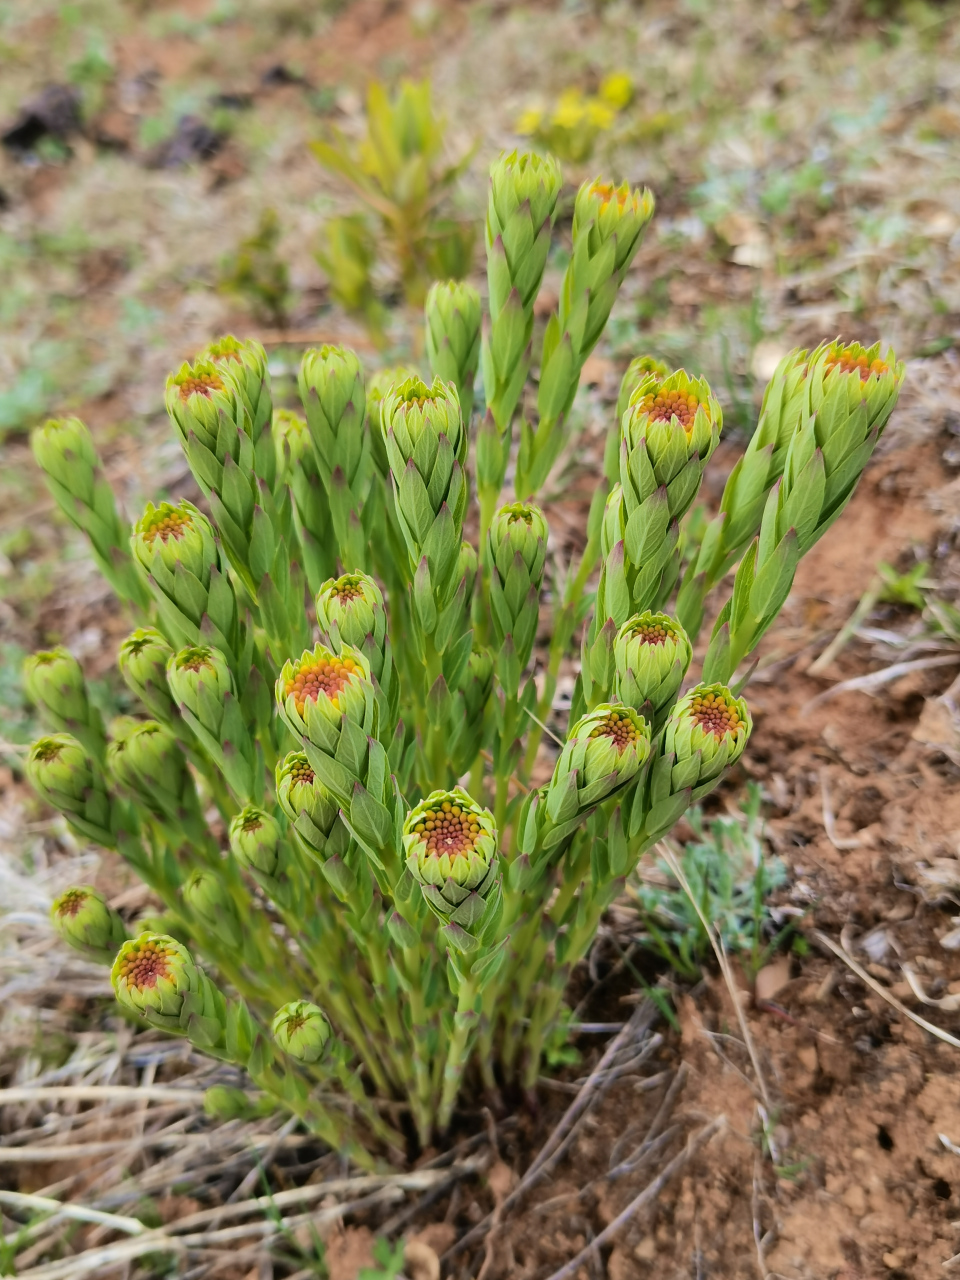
(339, 814)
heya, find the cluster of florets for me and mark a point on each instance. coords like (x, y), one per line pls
(619, 726)
(716, 714)
(448, 829)
(167, 523)
(320, 675)
(855, 360)
(144, 964)
(664, 405)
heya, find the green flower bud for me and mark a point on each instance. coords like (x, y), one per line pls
(453, 313)
(523, 198)
(639, 369)
(196, 397)
(63, 775)
(220, 1102)
(670, 429)
(652, 654)
(291, 438)
(706, 731)
(301, 1030)
(606, 213)
(852, 375)
(200, 681)
(603, 752)
(205, 894)
(169, 537)
(450, 845)
(332, 391)
(517, 552)
(255, 839)
(243, 363)
(319, 690)
(143, 660)
(146, 759)
(467, 714)
(54, 683)
(153, 975)
(381, 382)
(64, 449)
(300, 792)
(350, 610)
(426, 447)
(84, 919)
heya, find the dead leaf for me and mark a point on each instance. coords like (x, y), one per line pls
(420, 1262)
(771, 979)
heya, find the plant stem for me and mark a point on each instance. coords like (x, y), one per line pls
(464, 1023)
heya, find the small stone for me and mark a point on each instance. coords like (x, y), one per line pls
(855, 1198)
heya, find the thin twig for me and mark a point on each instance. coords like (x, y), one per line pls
(720, 951)
(647, 1196)
(100, 1093)
(841, 843)
(874, 680)
(882, 991)
(78, 1212)
(640, 1021)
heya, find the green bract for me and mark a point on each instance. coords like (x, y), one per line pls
(301, 1030)
(205, 894)
(82, 917)
(517, 552)
(652, 654)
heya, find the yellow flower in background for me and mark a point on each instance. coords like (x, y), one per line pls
(571, 127)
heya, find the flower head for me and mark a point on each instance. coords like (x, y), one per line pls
(639, 369)
(519, 529)
(321, 690)
(301, 1030)
(652, 654)
(195, 396)
(603, 752)
(167, 536)
(603, 212)
(706, 731)
(255, 839)
(142, 660)
(450, 844)
(152, 975)
(53, 681)
(349, 609)
(300, 791)
(291, 438)
(83, 917)
(200, 680)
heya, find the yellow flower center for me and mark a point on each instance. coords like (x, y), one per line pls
(448, 829)
(301, 774)
(320, 675)
(665, 405)
(200, 384)
(348, 587)
(167, 525)
(618, 726)
(715, 714)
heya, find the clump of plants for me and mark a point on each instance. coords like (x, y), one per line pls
(368, 896)
(400, 171)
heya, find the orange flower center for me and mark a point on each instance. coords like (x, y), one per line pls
(670, 404)
(146, 965)
(715, 715)
(619, 727)
(203, 384)
(847, 362)
(171, 524)
(321, 675)
(448, 829)
(71, 902)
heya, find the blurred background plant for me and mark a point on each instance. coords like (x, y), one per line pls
(570, 127)
(400, 171)
(257, 274)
